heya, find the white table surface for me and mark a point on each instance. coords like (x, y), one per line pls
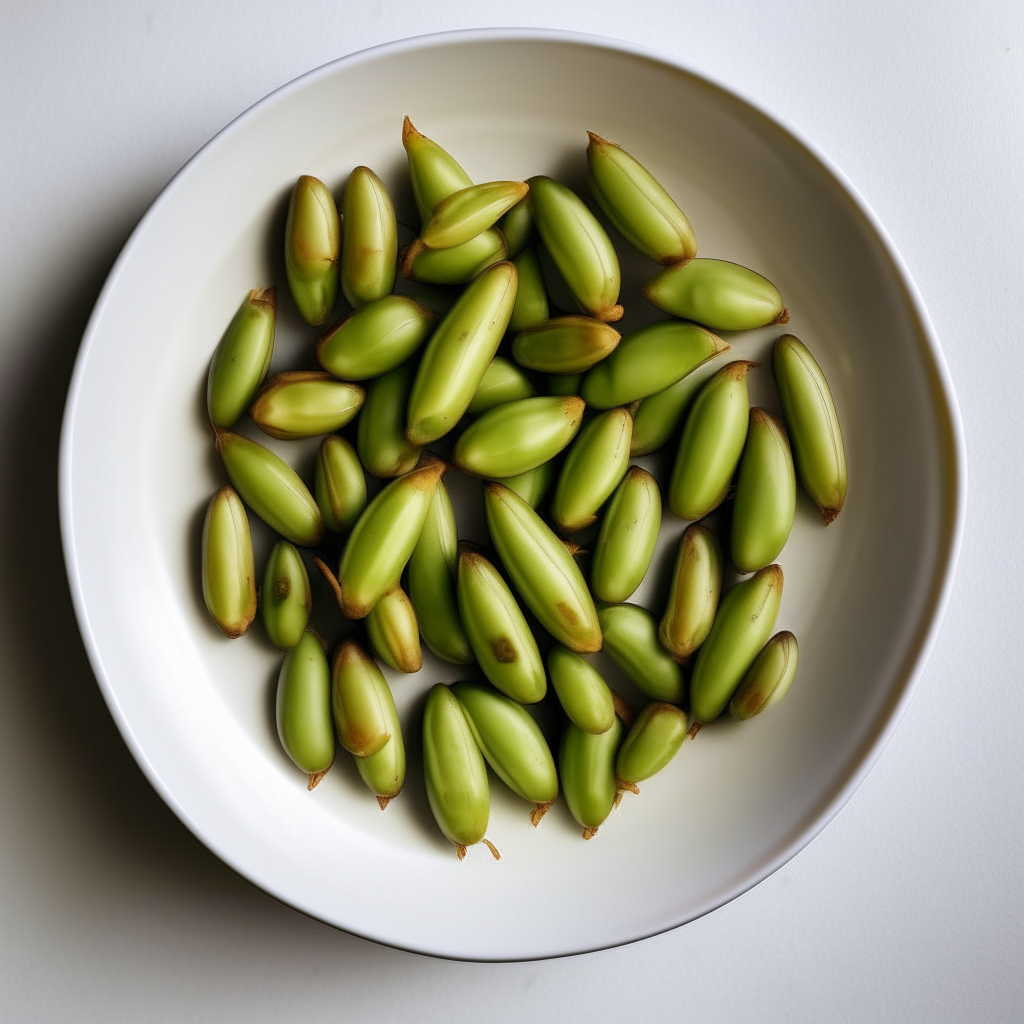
(910, 905)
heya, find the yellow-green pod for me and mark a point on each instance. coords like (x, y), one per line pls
(455, 266)
(586, 763)
(768, 680)
(304, 707)
(656, 417)
(694, 593)
(517, 226)
(339, 484)
(393, 632)
(242, 358)
(566, 344)
(531, 305)
(434, 172)
(285, 597)
(312, 242)
(745, 620)
(369, 244)
(652, 741)
(565, 383)
(810, 415)
(582, 691)
(305, 403)
(229, 572)
(502, 382)
(631, 641)
(534, 484)
(720, 295)
(380, 435)
(361, 701)
(464, 214)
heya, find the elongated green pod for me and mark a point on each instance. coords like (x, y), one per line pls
(768, 680)
(384, 771)
(464, 214)
(543, 572)
(304, 707)
(458, 265)
(517, 226)
(632, 199)
(242, 358)
(312, 242)
(565, 383)
(712, 442)
(497, 630)
(380, 437)
(435, 173)
(694, 593)
(584, 695)
(745, 620)
(534, 484)
(567, 344)
(502, 382)
(305, 403)
(720, 295)
(586, 763)
(579, 247)
(384, 537)
(531, 305)
(369, 243)
(361, 700)
(631, 641)
(339, 484)
(393, 631)
(285, 596)
(229, 572)
(271, 488)
(810, 415)
(656, 417)
(652, 741)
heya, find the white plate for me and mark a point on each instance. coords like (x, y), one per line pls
(138, 467)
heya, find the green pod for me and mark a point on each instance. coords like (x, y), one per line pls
(565, 383)
(369, 244)
(312, 241)
(586, 763)
(434, 172)
(361, 700)
(457, 355)
(652, 741)
(765, 505)
(643, 212)
(531, 305)
(497, 630)
(384, 771)
(647, 361)
(242, 358)
(629, 533)
(384, 537)
(745, 620)
(339, 484)
(543, 572)
(454, 770)
(271, 488)
(631, 641)
(567, 344)
(305, 403)
(694, 593)
(464, 214)
(502, 382)
(768, 680)
(285, 597)
(393, 631)
(720, 295)
(712, 442)
(532, 485)
(517, 226)
(582, 692)
(810, 415)
(304, 707)
(229, 572)
(458, 265)
(595, 465)
(656, 417)
(519, 436)
(579, 247)
(380, 436)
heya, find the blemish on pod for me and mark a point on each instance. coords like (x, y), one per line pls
(359, 699)
(393, 632)
(285, 596)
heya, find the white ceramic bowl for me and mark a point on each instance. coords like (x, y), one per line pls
(137, 469)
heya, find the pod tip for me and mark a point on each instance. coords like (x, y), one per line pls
(267, 296)
(721, 345)
(407, 257)
(829, 514)
(315, 778)
(490, 846)
(596, 140)
(460, 851)
(782, 318)
(622, 710)
(589, 832)
(383, 801)
(409, 130)
(538, 812)
(610, 315)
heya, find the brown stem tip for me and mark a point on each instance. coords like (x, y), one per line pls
(460, 851)
(589, 833)
(693, 730)
(315, 778)
(383, 801)
(538, 812)
(782, 318)
(490, 846)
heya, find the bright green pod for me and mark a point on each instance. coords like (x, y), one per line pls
(285, 597)
(454, 770)
(584, 695)
(643, 212)
(384, 537)
(543, 572)
(745, 620)
(305, 403)
(565, 383)
(595, 465)
(532, 485)
(502, 382)
(694, 593)
(458, 265)
(712, 442)
(393, 631)
(242, 358)
(647, 361)
(312, 242)
(765, 504)
(369, 244)
(497, 630)
(768, 680)
(229, 572)
(810, 415)
(629, 533)
(566, 344)
(720, 295)
(380, 436)
(271, 488)
(304, 707)
(361, 701)
(517, 226)
(435, 173)
(464, 214)
(457, 355)
(516, 437)
(631, 640)
(531, 305)
(339, 484)
(586, 763)
(652, 741)
(579, 247)
(656, 417)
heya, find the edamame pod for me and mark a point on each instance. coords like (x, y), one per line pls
(305, 403)
(458, 265)
(584, 695)
(339, 484)
(502, 382)
(655, 738)
(464, 214)
(565, 383)
(694, 593)
(567, 344)
(304, 708)
(361, 700)
(586, 765)
(393, 632)
(517, 226)
(656, 417)
(229, 573)
(435, 173)
(532, 485)
(285, 596)
(531, 305)
(631, 641)
(312, 241)
(380, 437)
(369, 243)
(768, 680)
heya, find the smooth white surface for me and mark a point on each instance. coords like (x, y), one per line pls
(907, 907)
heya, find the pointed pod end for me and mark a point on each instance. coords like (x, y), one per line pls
(383, 801)
(589, 832)
(265, 296)
(721, 345)
(409, 131)
(538, 812)
(315, 778)
(574, 406)
(829, 514)
(429, 470)
(490, 846)
(782, 318)
(610, 315)
(596, 141)
(407, 257)
(460, 851)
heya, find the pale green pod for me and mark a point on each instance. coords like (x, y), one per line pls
(242, 358)
(361, 701)
(712, 442)
(517, 226)
(518, 436)
(584, 695)
(497, 630)
(312, 242)
(652, 741)
(745, 620)
(458, 265)
(384, 537)
(271, 488)
(595, 465)
(631, 641)
(384, 771)
(586, 763)
(566, 344)
(656, 417)
(629, 533)
(768, 680)
(305, 403)
(543, 572)
(435, 173)
(369, 243)
(720, 295)
(565, 383)
(229, 572)
(464, 214)
(694, 593)
(339, 484)
(647, 361)
(457, 355)
(502, 382)
(579, 247)
(532, 485)
(393, 631)
(380, 436)
(810, 415)
(531, 305)
(304, 707)
(285, 597)
(642, 211)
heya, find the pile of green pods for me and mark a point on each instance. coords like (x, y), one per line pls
(485, 347)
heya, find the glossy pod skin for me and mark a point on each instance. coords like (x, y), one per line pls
(810, 415)
(384, 771)
(534, 484)
(464, 214)
(229, 572)
(285, 597)
(531, 306)
(458, 265)
(582, 692)
(305, 403)
(694, 593)
(586, 763)
(656, 417)
(768, 680)
(517, 226)
(393, 632)
(631, 641)
(304, 707)
(312, 242)
(434, 172)
(339, 484)
(361, 701)
(369, 244)
(380, 437)
(502, 382)
(652, 741)
(566, 344)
